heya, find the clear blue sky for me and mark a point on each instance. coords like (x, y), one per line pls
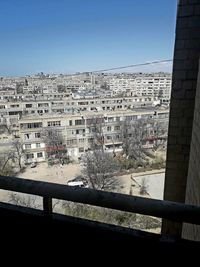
(61, 36)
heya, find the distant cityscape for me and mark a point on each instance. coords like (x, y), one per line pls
(28, 105)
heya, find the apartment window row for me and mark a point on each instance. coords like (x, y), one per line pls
(31, 156)
(54, 123)
(35, 125)
(79, 122)
(29, 105)
(81, 131)
(31, 125)
(36, 135)
(43, 105)
(28, 146)
(72, 142)
(14, 106)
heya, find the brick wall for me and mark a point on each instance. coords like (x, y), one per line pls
(193, 181)
(184, 80)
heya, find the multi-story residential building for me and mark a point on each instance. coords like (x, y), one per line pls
(77, 130)
(153, 85)
(11, 111)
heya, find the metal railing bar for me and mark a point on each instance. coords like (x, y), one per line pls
(158, 208)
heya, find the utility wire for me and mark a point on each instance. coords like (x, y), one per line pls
(125, 67)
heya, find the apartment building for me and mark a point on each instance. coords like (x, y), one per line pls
(155, 85)
(77, 130)
(11, 111)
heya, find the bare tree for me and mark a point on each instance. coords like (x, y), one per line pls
(95, 126)
(17, 152)
(6, 167)
(100, 169)
(160, 129)
(24, 200)
(125, 137)
(144, 187)
(5, 127)
(55, 146)
(133, 137)
(30, 201)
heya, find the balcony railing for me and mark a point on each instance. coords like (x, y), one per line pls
(163, 209)
(79, 228)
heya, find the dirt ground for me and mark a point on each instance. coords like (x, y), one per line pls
(42, 172)
(55, 174)
(129, 183)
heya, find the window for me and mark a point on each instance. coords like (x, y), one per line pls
(37, 135)
(33, 125)
(117, 128)
(109, 128)
(80, 131)
(38, 145)
(39, 155)
(43, 105)
(109, 137)
(14, 106)
(71, 142)
(26, 136)
(27, 146)
(79, 122)
(29, 156)
(70, 123)
(28, 105)
(53, 123)
(81, 149)
(14, 113)
(90, 140)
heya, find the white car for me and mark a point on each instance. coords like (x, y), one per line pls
(75, 183)
(33, 164)
(78, 181)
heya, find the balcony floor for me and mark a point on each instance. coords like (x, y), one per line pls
(25, 226)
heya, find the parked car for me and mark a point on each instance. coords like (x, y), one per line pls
(33, 164)
(74, 183)
(79, 181)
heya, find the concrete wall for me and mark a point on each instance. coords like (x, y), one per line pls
(193, 181)
(184, 80)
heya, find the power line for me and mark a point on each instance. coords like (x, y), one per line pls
(125, 67)
(134, 65)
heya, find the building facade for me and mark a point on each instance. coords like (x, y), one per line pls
(78, 130)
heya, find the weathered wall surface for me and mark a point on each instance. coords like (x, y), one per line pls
(184, 81)
(193, 181)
